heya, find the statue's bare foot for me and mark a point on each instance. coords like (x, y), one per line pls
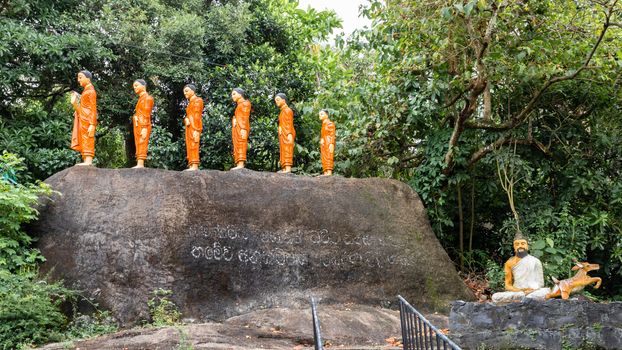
(237, 167)
(138, 166)
(84, 164)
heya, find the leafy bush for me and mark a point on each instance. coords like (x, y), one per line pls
(110, 148)
(16, 208)
(164, 153)
(42, 138)
(30, 310)
(86, 326)
(31, 313)
(46, 162)
(163, 311)
(495, 276)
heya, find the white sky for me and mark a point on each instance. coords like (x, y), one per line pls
(347, 10)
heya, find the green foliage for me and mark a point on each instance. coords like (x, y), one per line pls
(495, 276)
(165, 153)
(409, 97)
(16, 206)
(87, 326)
(110, 147)
(30, 310)
(40, 137)
(31, 313)
(184, 343)
(163, 311)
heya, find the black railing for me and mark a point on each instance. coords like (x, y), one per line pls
(418, 333)
(317, 335)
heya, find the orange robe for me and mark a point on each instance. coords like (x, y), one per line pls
(194, 112)
(85, 116)
(240, 122)
(286, 127)
(328, 136)
(142, 120)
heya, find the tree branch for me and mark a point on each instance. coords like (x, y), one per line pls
(417, 157)
(505, 140)
(455, 99)
(516, 120)
(477, 85)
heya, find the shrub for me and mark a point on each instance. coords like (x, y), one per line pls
(30, 310)
(110, 148)
(16, 209)
(163, 311)
(86, 326)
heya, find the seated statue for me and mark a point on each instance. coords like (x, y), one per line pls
(523, 275)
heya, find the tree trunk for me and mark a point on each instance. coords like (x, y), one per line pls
(487, 103)
(472, 221)
(461, 226)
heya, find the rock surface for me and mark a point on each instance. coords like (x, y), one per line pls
(226, 243)
(343, 327)
(552, 324)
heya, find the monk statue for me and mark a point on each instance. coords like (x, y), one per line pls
(194, 126)
(523, 275)
(85, 118)
(240, 127)
(142, 121)
(287, 134)
(327, 143)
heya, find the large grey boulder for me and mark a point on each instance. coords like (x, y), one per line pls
(226, 243)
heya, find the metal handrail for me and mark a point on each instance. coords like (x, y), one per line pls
(418, 332)
(317, 335)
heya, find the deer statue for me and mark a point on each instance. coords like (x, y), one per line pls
(576, 283)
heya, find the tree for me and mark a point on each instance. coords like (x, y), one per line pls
(442, 90)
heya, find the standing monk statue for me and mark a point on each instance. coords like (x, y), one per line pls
(240, 127)
(142, 121)
(194, 126)
(287, 133)
(85, 118)
(523, 275)
(327, 143)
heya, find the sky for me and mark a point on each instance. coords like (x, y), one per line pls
(347, 10)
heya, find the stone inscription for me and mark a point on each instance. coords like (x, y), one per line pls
(329, 249)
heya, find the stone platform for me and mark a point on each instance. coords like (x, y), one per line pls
(552, 324)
